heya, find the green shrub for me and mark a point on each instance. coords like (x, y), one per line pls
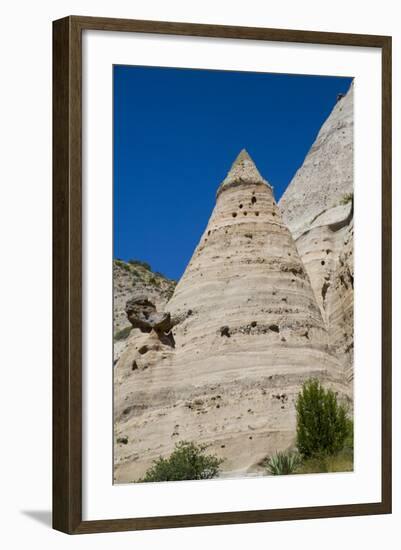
(187, 461)
(283, 463)
(122, 334)
(349, 440)
(322, 423)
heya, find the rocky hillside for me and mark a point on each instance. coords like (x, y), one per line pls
(131, 280)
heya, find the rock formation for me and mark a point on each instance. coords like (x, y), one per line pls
(318, 208)
(133, 280)
(247, 329)
(326, 175)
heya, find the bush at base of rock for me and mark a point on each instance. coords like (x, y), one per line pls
(322, 423)
(187, 461)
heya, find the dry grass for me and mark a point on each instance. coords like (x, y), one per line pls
(340, 462)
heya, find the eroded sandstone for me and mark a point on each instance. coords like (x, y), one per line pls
(247, 327)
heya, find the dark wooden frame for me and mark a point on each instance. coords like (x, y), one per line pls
(67, 280)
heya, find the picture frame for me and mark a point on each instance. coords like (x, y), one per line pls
(68, 288)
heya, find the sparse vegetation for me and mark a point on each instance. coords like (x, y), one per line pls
(343, 461)
(123, 265)
(170, 291)
(322, 423)
(122, 334)
(140, 263)
(187, 461)
(345, 199)
(283, 463)
(142, 270)
(158, 274)
(325, 436)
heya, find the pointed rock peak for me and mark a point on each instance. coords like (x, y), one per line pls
(243, 155)
(243, 170)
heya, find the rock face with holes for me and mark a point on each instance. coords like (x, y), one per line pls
(318, 208)
(247, 331)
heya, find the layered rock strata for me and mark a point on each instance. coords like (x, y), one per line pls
(318, 208)
(247, 330)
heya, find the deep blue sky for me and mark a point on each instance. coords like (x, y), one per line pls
(176, 134)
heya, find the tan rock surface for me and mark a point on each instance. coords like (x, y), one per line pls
(318, 208)
(327, 253)
(340, 308)
(326, 175)
(135, 279)
(248, 330)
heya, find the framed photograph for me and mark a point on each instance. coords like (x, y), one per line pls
(222, 275)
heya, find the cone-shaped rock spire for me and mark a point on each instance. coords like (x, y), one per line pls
(242, 171)
(247, 332)
(246, 269)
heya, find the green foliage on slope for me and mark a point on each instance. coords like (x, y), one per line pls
(187, 461)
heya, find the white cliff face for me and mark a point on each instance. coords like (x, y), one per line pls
(247, 329)
(326, 175)
(318, 208)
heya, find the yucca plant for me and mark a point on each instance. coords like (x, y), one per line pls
(283, 463)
